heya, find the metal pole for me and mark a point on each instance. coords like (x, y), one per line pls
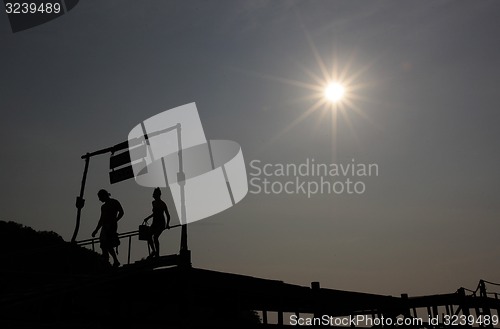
(80, 201)
(181, 178)
(129, 247)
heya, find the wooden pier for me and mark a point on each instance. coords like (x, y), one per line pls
(142, 293)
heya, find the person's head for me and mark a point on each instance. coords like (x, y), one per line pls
(103, 195)
(157, 193)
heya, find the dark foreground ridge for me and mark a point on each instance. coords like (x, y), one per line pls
(155, 294)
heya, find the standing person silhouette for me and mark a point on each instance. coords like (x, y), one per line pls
(158, 225)
(111, 213)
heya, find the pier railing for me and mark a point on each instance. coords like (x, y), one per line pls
(126, 235)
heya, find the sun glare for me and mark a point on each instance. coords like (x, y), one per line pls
(334, 92)
(333, 89)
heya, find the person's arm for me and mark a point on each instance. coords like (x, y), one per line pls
(150, 216)
(146, 219)
(120, 211)
(99, 224)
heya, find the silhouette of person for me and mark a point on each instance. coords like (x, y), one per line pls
(111, 213)
(159, 209)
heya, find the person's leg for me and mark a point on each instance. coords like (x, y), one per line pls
(115, 259)
(151, 246)
(157, 245)
(105, 254)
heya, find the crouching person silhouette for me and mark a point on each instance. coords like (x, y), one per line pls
(111, 213)
(159, 209)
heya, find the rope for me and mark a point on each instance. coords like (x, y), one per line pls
(482, 282)
(493, 283)
(471, 291)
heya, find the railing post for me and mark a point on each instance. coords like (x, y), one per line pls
(264, 317)
(482, 289)
(435, 311)
(280, 317)
(406, 305)
(464, 305)
(129, 247)
(485, 309)
(315, 287)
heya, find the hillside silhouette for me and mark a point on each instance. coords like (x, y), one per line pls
(24, 249)
(32, 258)
(47, 282)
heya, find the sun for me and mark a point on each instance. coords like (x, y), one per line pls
(334, 92)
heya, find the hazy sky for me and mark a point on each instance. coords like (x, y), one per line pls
(423, 106)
